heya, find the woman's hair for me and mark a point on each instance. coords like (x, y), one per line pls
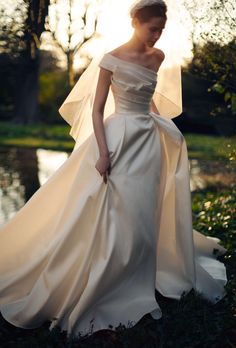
(144, 14)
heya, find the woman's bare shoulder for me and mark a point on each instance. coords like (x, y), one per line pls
(159, 54)
(155, 56)
(117, 51)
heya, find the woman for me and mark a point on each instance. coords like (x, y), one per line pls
(90, 251)
(139, 49)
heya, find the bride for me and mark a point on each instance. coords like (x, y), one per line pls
(114, 222)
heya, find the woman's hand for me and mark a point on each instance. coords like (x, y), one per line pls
(103, 165)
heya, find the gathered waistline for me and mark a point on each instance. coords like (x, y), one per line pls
(138, 112)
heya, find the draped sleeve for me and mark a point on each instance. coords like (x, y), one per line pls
(107, 63)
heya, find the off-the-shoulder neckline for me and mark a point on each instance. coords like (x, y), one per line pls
(138, 65)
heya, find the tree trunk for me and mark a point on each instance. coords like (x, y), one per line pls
(27, 107)
(70, 68)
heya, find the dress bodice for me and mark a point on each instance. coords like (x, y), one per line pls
(132, 84)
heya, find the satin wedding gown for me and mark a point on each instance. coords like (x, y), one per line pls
(92, 254)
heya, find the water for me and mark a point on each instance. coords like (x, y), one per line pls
(23, 171)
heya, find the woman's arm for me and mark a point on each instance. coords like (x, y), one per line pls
(154, 108)
(104, 81)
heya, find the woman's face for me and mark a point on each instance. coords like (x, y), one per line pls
(149, 32)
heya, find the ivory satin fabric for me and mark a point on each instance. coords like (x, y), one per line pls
(92, 254)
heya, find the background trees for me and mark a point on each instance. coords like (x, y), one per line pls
(81, 25)
(21, 31)
(23, 69)
(213, 65)
(33, 84)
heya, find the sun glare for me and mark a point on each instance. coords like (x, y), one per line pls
(115, 25)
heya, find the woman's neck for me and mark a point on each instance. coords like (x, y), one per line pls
(136, 46)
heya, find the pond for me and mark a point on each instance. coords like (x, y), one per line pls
(24, 170)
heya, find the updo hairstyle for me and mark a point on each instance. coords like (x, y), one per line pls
(144, 14)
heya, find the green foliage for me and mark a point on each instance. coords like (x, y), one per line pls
(11, 47)
(212, 31)
(209, 147)
(215, 215)
(12, 29)
(7, 86)
(216, 63)
(49, 137)
(54, 89)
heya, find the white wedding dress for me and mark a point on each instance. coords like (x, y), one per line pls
(92, 254)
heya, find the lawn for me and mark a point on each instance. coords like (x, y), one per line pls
(57, 137)
(191, 322)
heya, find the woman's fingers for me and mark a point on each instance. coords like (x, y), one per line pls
(102, 171)
(107, 172)
(105, 177)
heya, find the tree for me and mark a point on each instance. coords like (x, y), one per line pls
(196, 16)
(211, 20)
(77, 33)
(217, 63)
(214, 56)
(28, 63)
(11, 47)
(11, 30)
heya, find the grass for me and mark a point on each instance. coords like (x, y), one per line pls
(57, 137)
(192, 322)
(209, 147)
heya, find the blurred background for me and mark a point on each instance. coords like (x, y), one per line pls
(46, 45)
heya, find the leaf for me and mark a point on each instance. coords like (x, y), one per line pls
(218, 88)
(227, 96)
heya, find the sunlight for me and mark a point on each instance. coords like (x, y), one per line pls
(114, 23)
